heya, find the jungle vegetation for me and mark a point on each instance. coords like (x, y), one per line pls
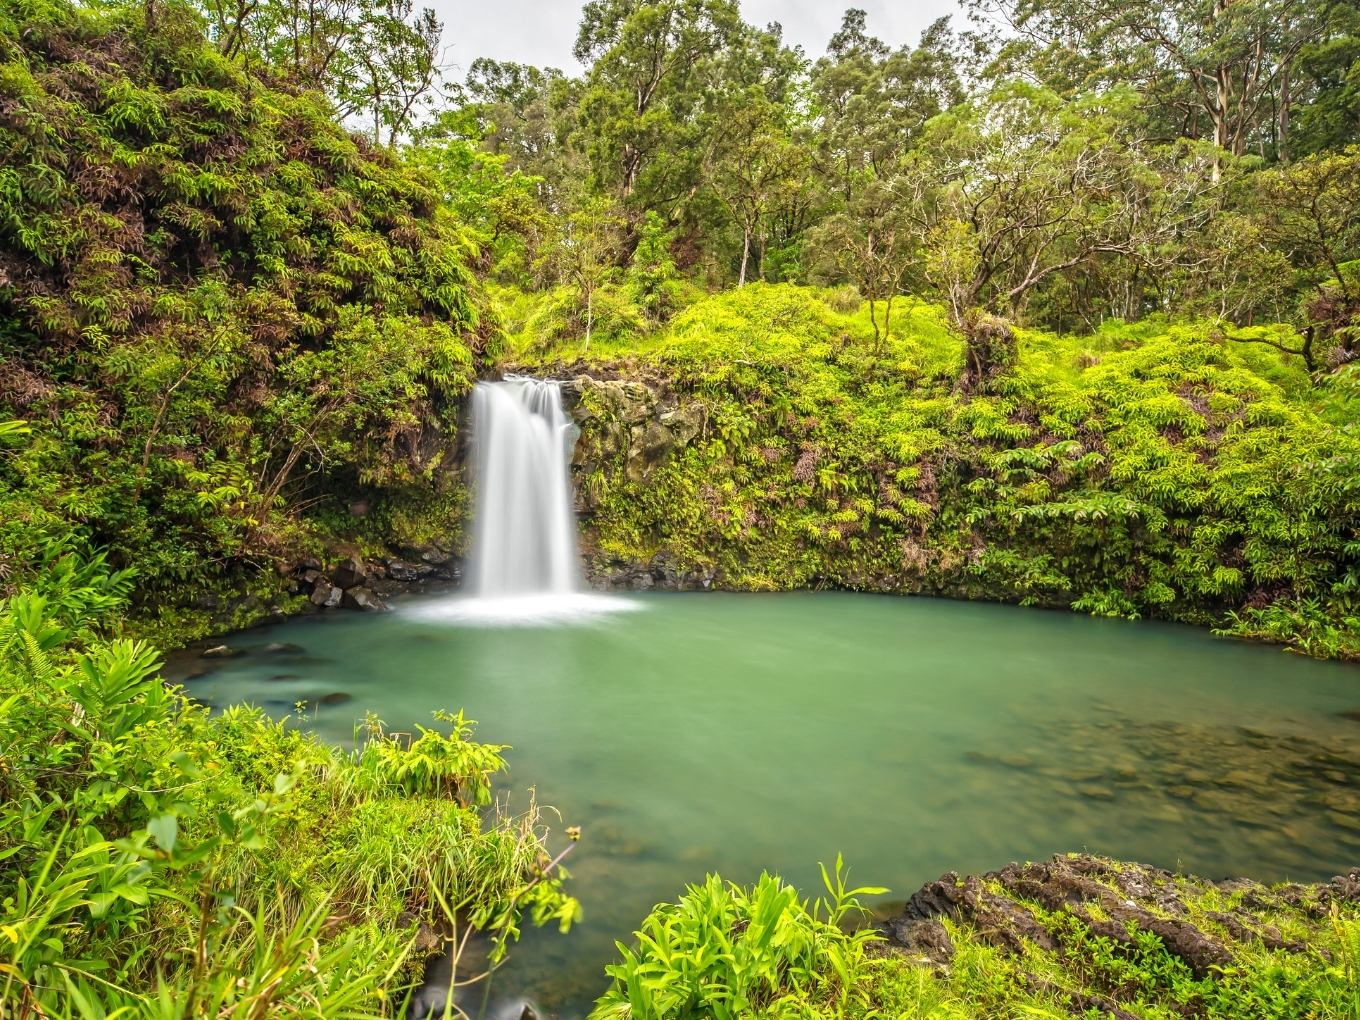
(1057, 305)
(254, 257)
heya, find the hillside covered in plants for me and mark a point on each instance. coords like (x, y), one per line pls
(1016, 316)
(764, 440)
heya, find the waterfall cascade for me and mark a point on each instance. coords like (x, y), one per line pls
(524, 566)
(524, 537)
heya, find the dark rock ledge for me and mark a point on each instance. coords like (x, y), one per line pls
(355, 583)
(1024, 911)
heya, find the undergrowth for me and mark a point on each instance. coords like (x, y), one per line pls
(723, 952)
(159, 861)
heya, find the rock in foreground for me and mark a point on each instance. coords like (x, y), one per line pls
(1097, 937)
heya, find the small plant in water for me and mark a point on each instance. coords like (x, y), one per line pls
(454, 767)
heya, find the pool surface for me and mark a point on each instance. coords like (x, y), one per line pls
(732, 732)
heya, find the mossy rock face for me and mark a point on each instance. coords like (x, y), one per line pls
(1088, 933)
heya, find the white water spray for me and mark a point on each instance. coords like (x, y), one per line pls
(524, 538)
(524, 566)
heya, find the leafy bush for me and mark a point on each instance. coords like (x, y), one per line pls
(723, 952)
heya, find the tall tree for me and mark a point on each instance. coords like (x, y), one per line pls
(870, 103)
(1221, 69)
(752, 164)
(652, 67)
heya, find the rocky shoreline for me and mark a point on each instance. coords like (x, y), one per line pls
(1066, 924)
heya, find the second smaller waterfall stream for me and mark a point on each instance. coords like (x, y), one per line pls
(524, 566)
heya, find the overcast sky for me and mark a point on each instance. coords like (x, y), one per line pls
(541, 31)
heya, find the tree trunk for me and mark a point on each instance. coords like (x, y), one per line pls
(590, 313)
(1282, 146)
(745, 254)
(1220, 116)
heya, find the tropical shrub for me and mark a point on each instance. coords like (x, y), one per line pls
(229, 865)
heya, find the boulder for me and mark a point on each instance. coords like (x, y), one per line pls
(922, 938)
(400, 570)
(326, 595)
(427, 939)
(430, 554)
(221, 652)
(350, 573)
(363, 598)
(684, 423)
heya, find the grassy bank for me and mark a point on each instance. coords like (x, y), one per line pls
(1180, 471)
(157, 861)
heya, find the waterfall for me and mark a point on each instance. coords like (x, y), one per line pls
(523, 567)
(524, 537)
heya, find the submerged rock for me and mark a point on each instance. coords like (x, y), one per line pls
(278, 646)
(221, 652)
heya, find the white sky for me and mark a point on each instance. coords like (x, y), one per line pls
(541, 32)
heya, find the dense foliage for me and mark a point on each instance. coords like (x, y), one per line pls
(1063, 315)
(167, 863)
(239, 334)
(214, 299)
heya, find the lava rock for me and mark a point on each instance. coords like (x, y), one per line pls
(400, 570)
(651, 445)
(684, 423)
(363, 598)
(927, 939)
(430, 554)
(221, 652)
(349, 574)
(427, 940)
